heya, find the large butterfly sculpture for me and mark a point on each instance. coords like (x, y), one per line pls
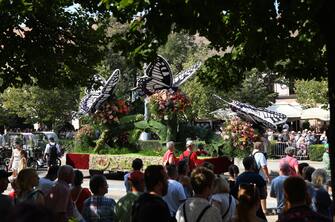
(99, 92)
(158, 75)
(258, 116)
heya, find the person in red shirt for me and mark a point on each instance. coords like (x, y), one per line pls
(169, 157)
(291, 161)
(190, 155)
(78, 193)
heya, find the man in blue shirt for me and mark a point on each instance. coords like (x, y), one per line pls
(277, 186)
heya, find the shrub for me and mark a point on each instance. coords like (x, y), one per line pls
(316, 151)
(154, 145)
(84, 138)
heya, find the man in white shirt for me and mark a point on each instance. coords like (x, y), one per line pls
(175, 195)
(52, 150)
(261, 166)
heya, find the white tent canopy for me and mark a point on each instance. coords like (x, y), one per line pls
(291, 111)
(316, 113)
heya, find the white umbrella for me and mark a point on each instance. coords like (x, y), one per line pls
(291, 111)
(316, 113)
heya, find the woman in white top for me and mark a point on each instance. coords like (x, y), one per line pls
(16, 156)
(221, 199)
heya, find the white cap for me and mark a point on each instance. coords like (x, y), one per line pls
(189, 143)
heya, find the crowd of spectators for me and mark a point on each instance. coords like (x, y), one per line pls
(172, 192)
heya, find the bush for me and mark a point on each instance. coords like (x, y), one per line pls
(149, 145)
(67, 144)
(316, 151)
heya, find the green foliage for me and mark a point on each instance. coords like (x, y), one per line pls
(220, 147)
(190, 131)
(316, 151)
(84, 139)
(254, 91)
(67, 144)
(152, 126)
(46, 43)
(154, 145)
(41, 105)
(312, 93)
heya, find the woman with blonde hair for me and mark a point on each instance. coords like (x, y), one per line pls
(26, 181)
(248, 204)
(221, 199)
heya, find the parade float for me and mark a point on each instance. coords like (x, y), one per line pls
(164, 102)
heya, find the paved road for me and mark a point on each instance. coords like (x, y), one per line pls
(116, 187)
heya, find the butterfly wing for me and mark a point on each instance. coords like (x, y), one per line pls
(107, 90)
(184, 75)
(86, 103)
(263, 117)
(157, 76)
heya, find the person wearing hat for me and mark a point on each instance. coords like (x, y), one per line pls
(16, 156)
(123, 208)
(190, 155)
(6, 204)
(291, 161)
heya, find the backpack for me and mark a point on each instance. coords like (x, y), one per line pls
(257, 169)
(53, 152)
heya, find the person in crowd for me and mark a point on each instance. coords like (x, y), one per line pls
(301, 167)
(52, 152)
(321, 201)
(59, 197)
(261, 164)
(47, 182)
(248, 204)
(326, 159)
(184, 179)
(198, 208)
(223, 200)
(297, 203)
(16, 156)
(302, 146)
(233, 173)
(307, 173)
(249, 176)
(190, 155)
(323, 138)
(98, 207)
(78, 193)
(169, 157)
(175, 195)
(150, 207)
(23, 161)
(6, 204)
(208, 165)
(12, 194)
(137, 166)
(26, 181)
(277, 186)
(28, 212)
(291, 161)
(201, 150)
(123, 208)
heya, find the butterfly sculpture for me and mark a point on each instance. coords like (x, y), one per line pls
(158, 75)
(258, 116)
(99, 92)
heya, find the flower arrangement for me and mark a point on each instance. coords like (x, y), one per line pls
(111, 111)
(239, 135)
(165, 102)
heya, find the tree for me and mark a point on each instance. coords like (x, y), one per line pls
(40, 105)
(312, 93)
(51, 43)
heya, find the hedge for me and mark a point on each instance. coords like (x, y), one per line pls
(316, 151)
